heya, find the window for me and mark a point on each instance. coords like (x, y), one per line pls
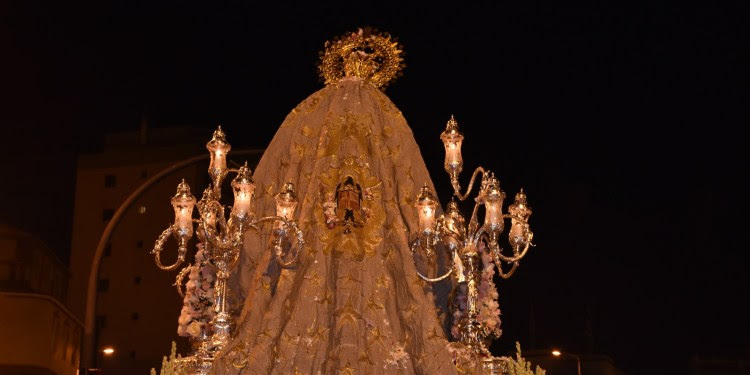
(107, 214)
(103, 285)
(137, 280)
(110, 181)
(132, 354)
(142, 210)
(139, 244)
(134, 316)
(108, 249)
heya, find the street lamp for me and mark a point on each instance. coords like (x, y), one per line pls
(558, 353)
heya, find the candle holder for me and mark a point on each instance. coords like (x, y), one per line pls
(473, 249)
(221, 244)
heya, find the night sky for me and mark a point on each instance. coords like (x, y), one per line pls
(622, 123)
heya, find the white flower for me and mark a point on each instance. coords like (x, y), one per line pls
(194, 329)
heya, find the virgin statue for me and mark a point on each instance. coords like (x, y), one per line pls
(353, 302)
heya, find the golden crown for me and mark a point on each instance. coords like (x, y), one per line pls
(366, 54)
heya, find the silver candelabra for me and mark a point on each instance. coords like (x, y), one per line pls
(466, 245)
(222, 242)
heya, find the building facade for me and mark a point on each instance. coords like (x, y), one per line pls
(39, 334)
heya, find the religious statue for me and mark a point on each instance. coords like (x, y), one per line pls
(354, 302)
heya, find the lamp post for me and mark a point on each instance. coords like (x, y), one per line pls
(558, 353)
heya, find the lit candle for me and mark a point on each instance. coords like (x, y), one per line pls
(207, 207)
(452, 140)
(426, 209)
(493, 204)
(286, 202)
(219, 148)
(243, 187)
(453, 229)
(183, 203)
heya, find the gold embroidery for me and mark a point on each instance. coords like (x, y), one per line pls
(376, 336)
(382, 281)
(374, 305)
(314, 278)
(364, 357)
(346, 370)
(348, 313)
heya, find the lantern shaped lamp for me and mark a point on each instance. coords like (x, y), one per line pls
(452, 140)
(243, 187)
(493, 204)
(286, 201)
(219, 148)
(183, 203)
(519, 211)
(426, 209)
(453, 226)
(209, 207)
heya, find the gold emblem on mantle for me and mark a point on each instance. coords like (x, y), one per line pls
(351, 204)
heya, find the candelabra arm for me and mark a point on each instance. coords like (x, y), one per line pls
(298, 234)
(163, 237)
(435, 279)
(425, 278)
(473, 229)
(178, 280)
(159, 246)
(457, 186)
(497, 252)
(300, 245)
(502, 274)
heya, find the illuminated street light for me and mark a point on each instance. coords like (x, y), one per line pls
(108, 351)
(558, 353)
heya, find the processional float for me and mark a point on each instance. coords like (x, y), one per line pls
(473, 249)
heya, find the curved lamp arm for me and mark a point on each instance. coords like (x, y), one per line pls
(180, 278)
(457, 186)
(425, 278)
(497, 252)
(300, 236)
(159, 246)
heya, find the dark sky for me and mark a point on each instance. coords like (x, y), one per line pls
(621, 121)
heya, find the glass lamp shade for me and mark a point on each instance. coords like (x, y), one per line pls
(183, 203)
(453, 226)
(286, 202)
(219, 148)
(426, 210)
(493, 204)
(452, 140)
(243, 187)
(520, 213)
(208, 207)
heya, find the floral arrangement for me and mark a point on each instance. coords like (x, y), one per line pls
(487, 300)
(489, 308)
(197, 309)
(459, 308)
